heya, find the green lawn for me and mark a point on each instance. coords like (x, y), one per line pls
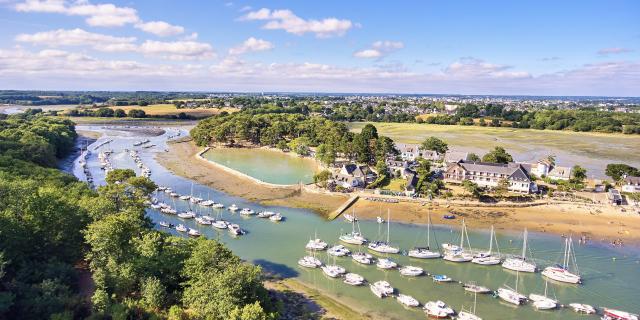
(396, 185)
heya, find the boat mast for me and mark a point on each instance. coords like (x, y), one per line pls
(567, 250)
(388, 224)
(524, 244)
(429, 231)
(491, 240)
(462, 236)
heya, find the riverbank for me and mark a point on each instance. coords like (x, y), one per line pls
(182, 159)
(602, 223)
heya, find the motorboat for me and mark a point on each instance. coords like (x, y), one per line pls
(169, 211)
(235, 229)
(233, 207)
(425, 252)
(309, 262)
(276, 217)
(408, 300)
(441, 278)
(206, 203)
(362, 257)
(187, 215)
(487, 258)
(247, 212)
(560, 272)
(381, 289)
(411, 271)
(582, 308)
(218, 206)
(333, 271)
(265, 214)
(164, 224)
(512, 296)
(520, 263)
(475, 288)
(193, 232)
(220, 224)
(353, 279)
(185, 197)
(339, 251)
(612, 314)
(353, 238)
(316, 244)
(385, 263)
(438, 309)
(181, 228)
(379, 220)
(350, 218)
(203, 221)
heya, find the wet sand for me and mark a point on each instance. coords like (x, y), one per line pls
(182, 160)
(601, 222)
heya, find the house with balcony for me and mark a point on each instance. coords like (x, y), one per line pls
(489, 175)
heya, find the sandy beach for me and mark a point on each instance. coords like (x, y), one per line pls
(597, 223)
(182, 160)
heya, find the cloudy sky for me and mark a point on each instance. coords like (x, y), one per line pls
(466, 47)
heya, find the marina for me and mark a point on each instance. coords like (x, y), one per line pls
(606, 282)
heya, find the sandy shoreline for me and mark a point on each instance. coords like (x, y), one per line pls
(182, 159)
(557, 218)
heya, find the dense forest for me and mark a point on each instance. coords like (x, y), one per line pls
(575, 120)
(56, 234)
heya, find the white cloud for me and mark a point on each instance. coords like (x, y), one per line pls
(175, 50)
(616, 50)
(160, 28)
(470, 67)
(100, 15)
(251, 45)
(286, 20)
(379, 49)
(74, 37)
(178, 50)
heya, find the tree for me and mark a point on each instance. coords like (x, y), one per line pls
(326, 153)
(473, 157)
(153, 292)
(435, 144)
(497, 155)
(502, 188)
(136, 113)
(471, 187)
(369, 132)
(617, 170)
(119, 113)
(381, 167)
(104, 112)
(322, 177)
(579, 174)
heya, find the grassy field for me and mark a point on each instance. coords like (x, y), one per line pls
(591, 150)
(170, 109)
(396, 185)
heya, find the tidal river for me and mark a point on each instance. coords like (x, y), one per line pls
(611, 275)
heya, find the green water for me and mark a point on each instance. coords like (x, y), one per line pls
(265, 165)
(278, 246)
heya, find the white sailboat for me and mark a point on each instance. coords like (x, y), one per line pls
(425, 252)
(488, 258)
(385, 263)
(382, 246)
(582, 308)
(510, 295)
(353, 279)
(381, 289)
(339, 251)
(362, 257)
(316, 244)
(333, 270)
(460, 255)
(469, 315)
(309, 262)
(520, 263)
(543, 302)
(561, 272)
(355, 237)
(408, 300)
(438, 309)
(411, 271)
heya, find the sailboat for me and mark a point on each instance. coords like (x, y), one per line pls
(561, 272)
(487, 258)
(460, 255)
(382, 246)
(510, 295)
(469, 315)
(543, 302)
(381, 289)
(520, 263)
(425, 252)
(408, 300)
(333, 270)
(316, 244)
(355, 237)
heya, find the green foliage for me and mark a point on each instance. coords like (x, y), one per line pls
(502, 188)
(617, 170)
(497, 155)
(153, 292)
(136, 113)
(474, 157)
(579, 174)
(435, 144)
(472, 188)
(322, 176)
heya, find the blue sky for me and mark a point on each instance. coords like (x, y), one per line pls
(458, 47)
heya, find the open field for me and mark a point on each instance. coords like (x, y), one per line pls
(169, 109)
(591, 150)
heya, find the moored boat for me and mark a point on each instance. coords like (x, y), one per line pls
(309, 262)
(438, 309)
(582, 308)
(338, 251)
(561, 272)
(425, 252)
(362, 257)
(520, 263)
(381, 289)
(612, 314)
(385, 263)
(411, 271)
(353, 279)
(408, 300)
